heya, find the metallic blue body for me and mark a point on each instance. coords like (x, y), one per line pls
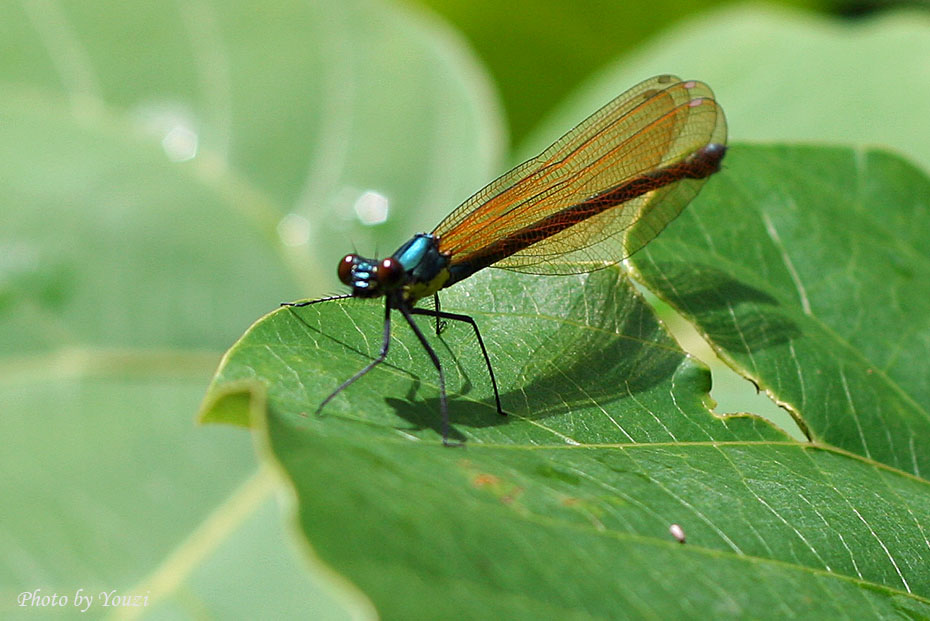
(425, 271)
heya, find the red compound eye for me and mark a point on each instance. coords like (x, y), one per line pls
(389, 273)
(345, 268)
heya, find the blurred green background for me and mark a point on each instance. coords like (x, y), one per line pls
(172, 171)
(538, 52)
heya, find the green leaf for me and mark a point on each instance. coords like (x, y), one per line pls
(126, 269)
(810, 274)
(563, 508)
(549, 337)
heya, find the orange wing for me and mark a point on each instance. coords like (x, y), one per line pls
(653, 127)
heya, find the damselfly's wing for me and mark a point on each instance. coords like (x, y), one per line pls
(580, 205)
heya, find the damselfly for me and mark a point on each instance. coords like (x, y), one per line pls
(592, 199)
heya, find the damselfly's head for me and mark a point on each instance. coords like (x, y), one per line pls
(370, 278)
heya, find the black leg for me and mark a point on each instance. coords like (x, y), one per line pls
(407, 313)
(385, 343)
(440, 325)
(456, 317)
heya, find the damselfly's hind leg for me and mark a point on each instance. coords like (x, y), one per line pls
(487, 360)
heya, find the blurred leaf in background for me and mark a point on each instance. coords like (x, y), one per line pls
(788, 76)
(172, 171)
(539, 50)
